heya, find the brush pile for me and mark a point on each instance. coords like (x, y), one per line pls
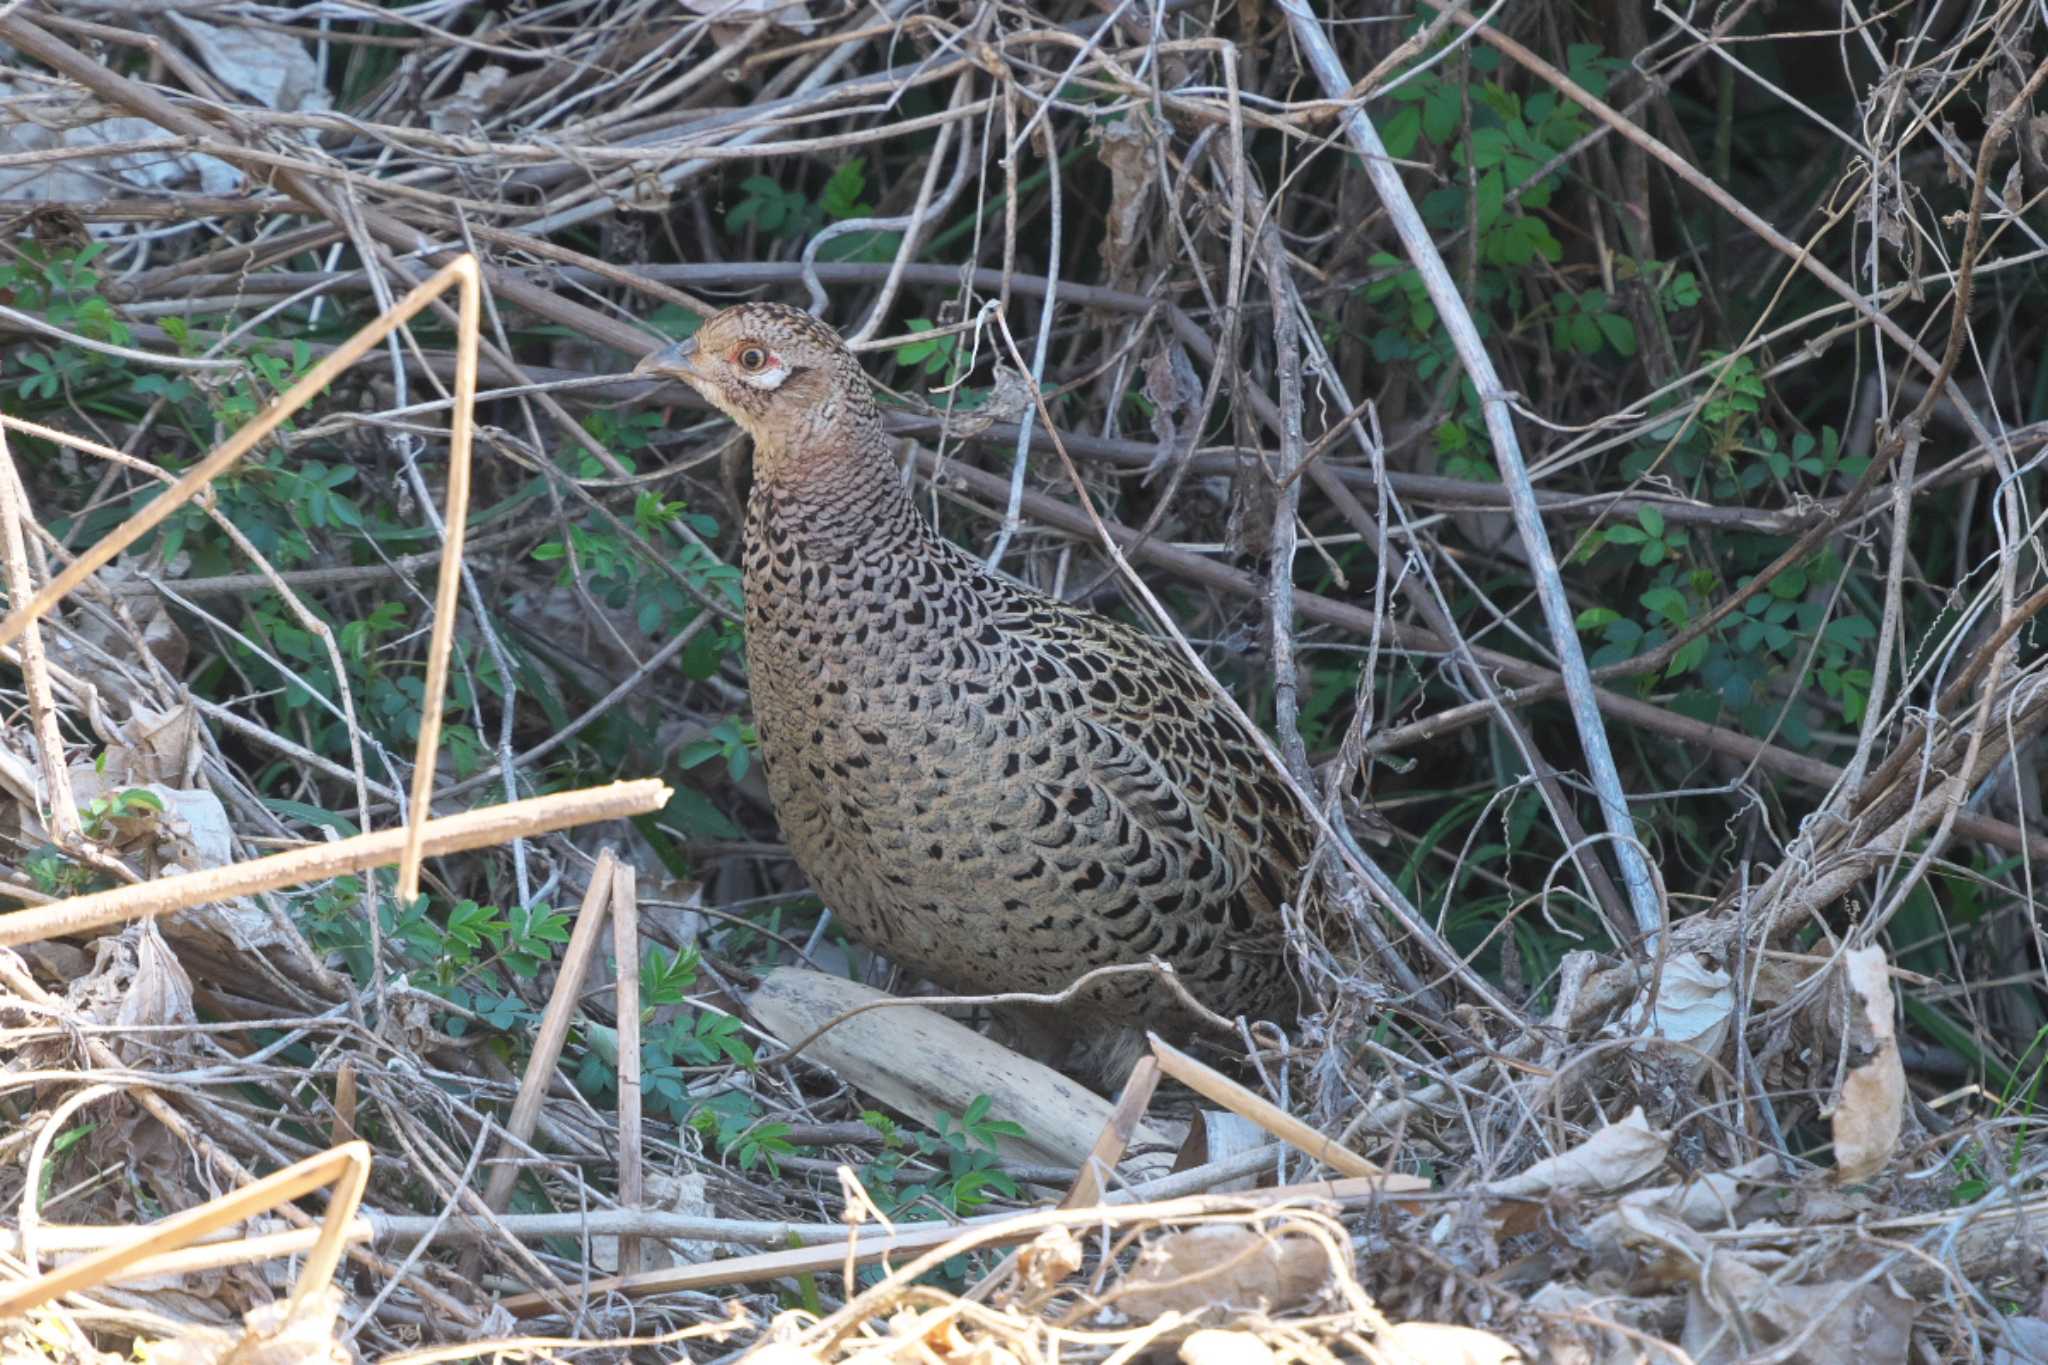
(1601, 446)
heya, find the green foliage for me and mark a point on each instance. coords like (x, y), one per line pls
(964, 1148)
(293, 507)
(677, 1039)
(100, 814)
(100, 819)
(1331, 687)
(1497, 143)
(1500, 143)
(674, 321)
(939, 355)
(64, 290)
(53, 874)
(734, 1123)
(1654, 540)
(1586, 322)
(665, 594)
(731, 740)
(388, 687)
(767, 207)
(57, 1161)
(666, 978)
(1794, 635)
(311, 505)
(471, 955)
(759, 1144)
(1794, 659)
(1399, 289)
(694, 814)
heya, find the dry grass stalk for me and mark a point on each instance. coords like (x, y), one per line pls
(485, 828)
(625, 916)
(1213, 1084)
(564, 1002)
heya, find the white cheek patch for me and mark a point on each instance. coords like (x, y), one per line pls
(769, 378)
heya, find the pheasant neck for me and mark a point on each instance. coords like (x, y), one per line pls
(834, 503)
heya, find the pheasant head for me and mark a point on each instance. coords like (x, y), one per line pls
(788, 380)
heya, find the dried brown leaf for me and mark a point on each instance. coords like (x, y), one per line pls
(267, 1338)
(1573, 1330)
(160, 994)
(1616, 1156)
(1221, 1269)
(1693, 1005)
(1125, 147)
(1049, 1258)
(1739, 1307)
(1871, 1110)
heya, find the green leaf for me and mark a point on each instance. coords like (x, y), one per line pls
(1486, 147)
(1401, 132)
(1441, 112)
(917, 352)
(1668, 603)
(1619, 331)
(1593, 618)
(1519, 241)
(691, 812)
(1850, 631)
(842, 192)
(702, 655)
(1688, 658)
(470, 924)
(1487, 197)
(1588, 69)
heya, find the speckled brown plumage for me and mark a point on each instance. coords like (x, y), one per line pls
(996, 789)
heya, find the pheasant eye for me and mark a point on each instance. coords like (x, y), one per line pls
(753, 358)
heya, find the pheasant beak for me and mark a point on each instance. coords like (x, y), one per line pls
(677, 360)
